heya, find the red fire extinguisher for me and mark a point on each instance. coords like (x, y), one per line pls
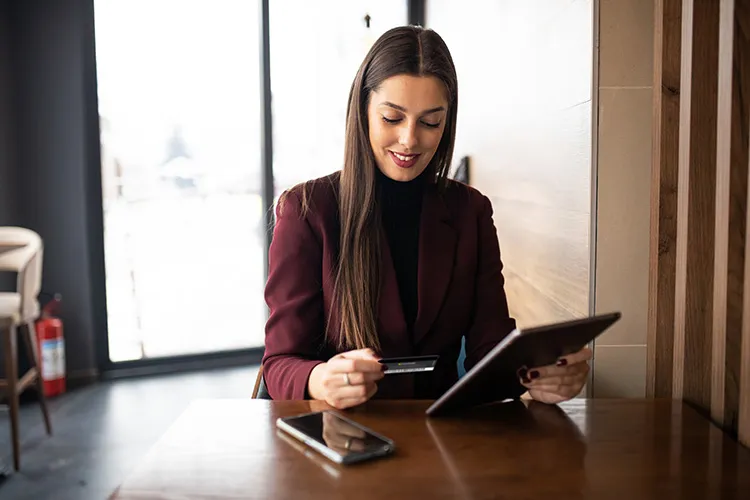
(51, 343)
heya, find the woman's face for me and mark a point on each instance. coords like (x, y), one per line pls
(406, 117)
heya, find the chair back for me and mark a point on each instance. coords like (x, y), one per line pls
(26, 260)
(260, 391)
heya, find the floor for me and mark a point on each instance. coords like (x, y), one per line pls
(102, 431)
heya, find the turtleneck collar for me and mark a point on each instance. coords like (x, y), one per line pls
(401, 193)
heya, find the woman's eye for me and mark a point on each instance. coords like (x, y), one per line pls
(397, 120)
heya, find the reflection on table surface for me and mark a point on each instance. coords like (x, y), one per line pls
(582, 449)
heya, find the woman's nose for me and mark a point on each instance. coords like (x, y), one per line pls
(408, 137)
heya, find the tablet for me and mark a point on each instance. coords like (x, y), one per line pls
(532, 348)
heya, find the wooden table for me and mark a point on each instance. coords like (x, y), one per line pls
(611, 449)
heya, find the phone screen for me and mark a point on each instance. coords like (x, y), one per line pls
(345, 438)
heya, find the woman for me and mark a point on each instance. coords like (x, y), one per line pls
(389, 258)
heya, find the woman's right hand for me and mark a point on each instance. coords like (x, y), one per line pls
(347, 379)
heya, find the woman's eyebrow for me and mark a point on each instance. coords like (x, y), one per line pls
(403, 109)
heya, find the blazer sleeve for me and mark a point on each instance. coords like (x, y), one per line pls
(294, 295)
(491, 318)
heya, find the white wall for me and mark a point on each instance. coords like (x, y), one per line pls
(525, 107)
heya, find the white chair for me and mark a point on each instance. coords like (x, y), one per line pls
(21, 252)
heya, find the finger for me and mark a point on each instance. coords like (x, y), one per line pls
(329, 420)
(346, 365)
(351, 392)
(357, 445)
(558, 380)
(330, 440)
(336, 379)
(340, 446)
(557, 371)
(352, 432)
(337, 444)
(554, 390)
(339, 433)
(584, 354)
(551, 371)
(355, 391)
(360, 354)
(576, 381)
(347, 402)
(348, 430)
(548, 397)
(359, 378)
(561, 385)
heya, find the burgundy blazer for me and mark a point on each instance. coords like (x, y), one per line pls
(460, 293)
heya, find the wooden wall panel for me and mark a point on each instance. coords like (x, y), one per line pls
(696, 201)
(742, 100)
(660, 339)
(744, 382)
(740, 159)
(709, 339)
(723, 172)
(731, 202)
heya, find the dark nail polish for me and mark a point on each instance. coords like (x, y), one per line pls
(562, 362)
(522, 373)
(534, 374)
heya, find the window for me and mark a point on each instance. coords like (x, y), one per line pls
(179, 105)
(316, 50)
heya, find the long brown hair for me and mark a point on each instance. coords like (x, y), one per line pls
(409, 50)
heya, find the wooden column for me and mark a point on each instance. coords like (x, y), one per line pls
(660, 338)
(744, 384)
(742, 56)
(731, 203)
(696, 202)
(701, 354)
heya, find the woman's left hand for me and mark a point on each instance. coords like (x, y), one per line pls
(557, 383)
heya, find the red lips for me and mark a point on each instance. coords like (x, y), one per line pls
(410, 161)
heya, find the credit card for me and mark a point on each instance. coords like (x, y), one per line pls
(410, 364)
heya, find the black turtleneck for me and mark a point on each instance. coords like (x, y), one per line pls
(401, 209)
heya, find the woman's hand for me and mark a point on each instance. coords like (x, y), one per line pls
(341, 436)
(557, 383)
(347, 379)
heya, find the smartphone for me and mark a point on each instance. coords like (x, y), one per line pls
(336, 437)
(316, 458)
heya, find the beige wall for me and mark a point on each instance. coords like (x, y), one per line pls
(525, 111)
(525, 121)
(624, 174)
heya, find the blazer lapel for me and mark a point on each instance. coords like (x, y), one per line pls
(437, 248)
